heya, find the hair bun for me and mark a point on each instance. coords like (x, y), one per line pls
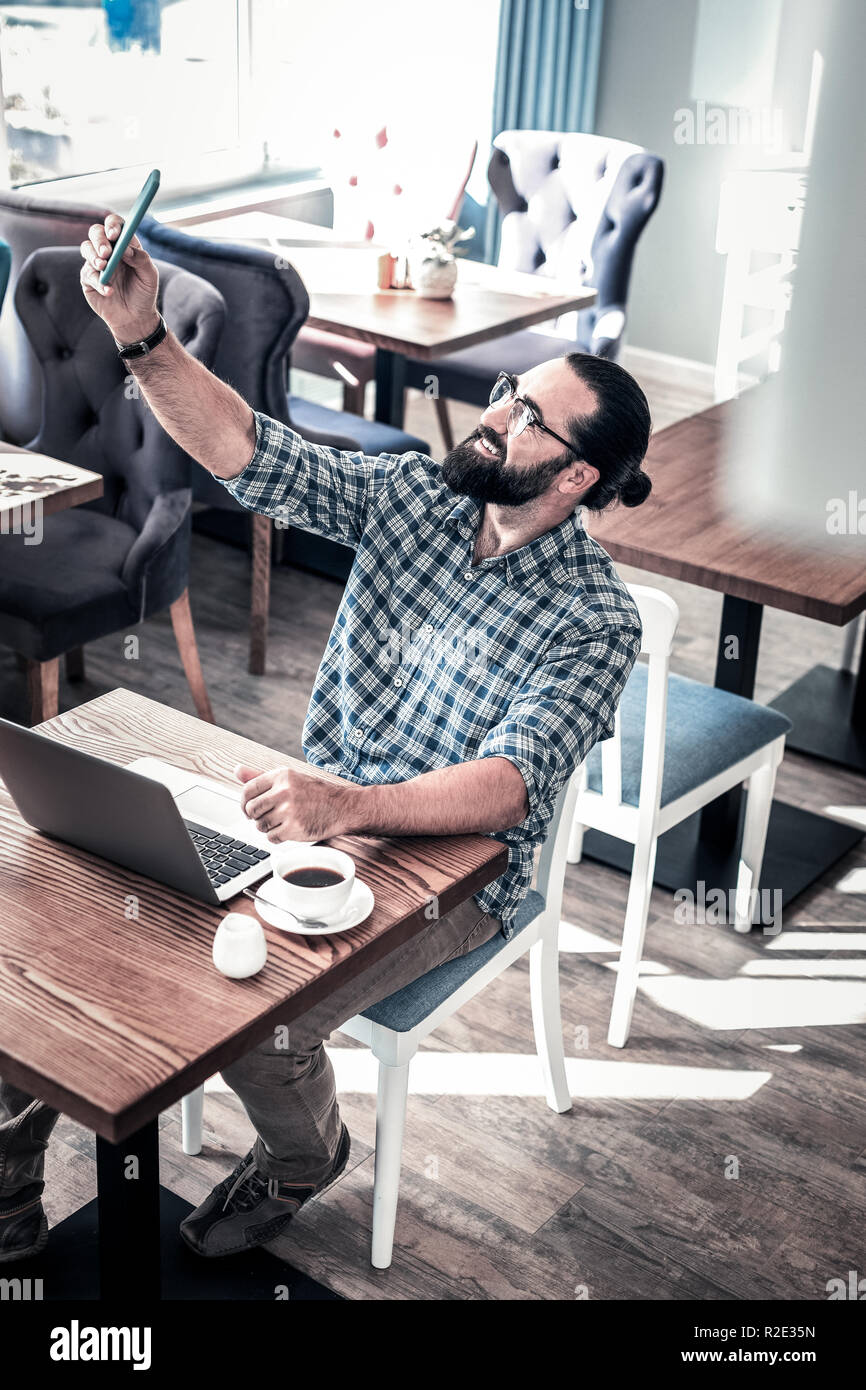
(636, 489)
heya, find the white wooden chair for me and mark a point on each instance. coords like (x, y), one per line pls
(394, 1028)
(678, 745)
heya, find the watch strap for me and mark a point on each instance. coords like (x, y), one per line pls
(130, 351)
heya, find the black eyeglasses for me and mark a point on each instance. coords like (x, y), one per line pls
(521, 413)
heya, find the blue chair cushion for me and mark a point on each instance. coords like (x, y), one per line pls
(405, 1009)
(469, 374)
(707, 730)
(373, 438)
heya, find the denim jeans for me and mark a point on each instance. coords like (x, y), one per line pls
(287, 1083)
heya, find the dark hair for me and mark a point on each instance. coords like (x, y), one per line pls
(615, 437)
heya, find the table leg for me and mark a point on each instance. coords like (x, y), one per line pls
(736, 666)
(127, 1178)
(390, 381)
(858, 699)
(828, 710)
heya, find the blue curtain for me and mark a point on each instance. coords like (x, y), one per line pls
(133, 22)
(546, 73)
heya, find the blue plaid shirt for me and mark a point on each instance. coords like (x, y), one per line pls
(433, 660)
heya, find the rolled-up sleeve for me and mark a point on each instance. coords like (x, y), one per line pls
(326, 491)
(567, 704)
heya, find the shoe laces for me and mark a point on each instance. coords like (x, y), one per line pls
(248, 1187)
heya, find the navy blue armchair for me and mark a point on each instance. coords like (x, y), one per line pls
(266, 305)
(573, 206)
(103, 567)
(5, 267)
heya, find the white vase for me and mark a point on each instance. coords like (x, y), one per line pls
(434, 279)
(239, 946)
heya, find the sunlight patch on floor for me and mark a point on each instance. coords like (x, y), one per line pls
(807, 969)
(575, 940)
(517, 1074)
(818, 941)
(758, 1003)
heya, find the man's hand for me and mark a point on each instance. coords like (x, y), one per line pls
(289, 805)
(128, 304)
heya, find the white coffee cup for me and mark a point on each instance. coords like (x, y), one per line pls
(239, 946)
(309, 903)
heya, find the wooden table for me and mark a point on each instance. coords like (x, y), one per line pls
(28, 480)
(341, 281)
(683, 531)
(110, 1006)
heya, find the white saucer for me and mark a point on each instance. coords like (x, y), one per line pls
(356, 911)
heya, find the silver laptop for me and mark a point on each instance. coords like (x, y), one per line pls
(174, 826)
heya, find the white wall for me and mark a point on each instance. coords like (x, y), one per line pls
(645, 78)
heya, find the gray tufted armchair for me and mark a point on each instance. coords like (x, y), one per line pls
(103, 567)
(573, 207)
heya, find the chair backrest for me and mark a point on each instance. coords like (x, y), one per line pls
(659, 615)
(550, 873)
(92, 414)
(266, 304)
(573, 206)
(28, 224)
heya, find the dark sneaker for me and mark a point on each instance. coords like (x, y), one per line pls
(23, 1227)
(249, 1209)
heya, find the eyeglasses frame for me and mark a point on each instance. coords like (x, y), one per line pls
(533, 418)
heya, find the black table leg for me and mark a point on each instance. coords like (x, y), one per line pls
(127, 1178)
(736, 666)
(390, 381)
(828, 710)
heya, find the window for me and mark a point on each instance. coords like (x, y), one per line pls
(116, 83)
(211, 91)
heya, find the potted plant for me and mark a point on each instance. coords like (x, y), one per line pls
(432, 262)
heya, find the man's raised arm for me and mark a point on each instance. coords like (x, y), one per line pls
(201, 413)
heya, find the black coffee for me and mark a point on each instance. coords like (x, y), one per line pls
(313, 878)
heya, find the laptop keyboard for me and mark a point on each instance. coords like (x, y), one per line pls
(223, 857)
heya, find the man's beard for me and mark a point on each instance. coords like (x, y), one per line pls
(471, 473)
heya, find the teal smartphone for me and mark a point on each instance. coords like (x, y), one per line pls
(130, 226)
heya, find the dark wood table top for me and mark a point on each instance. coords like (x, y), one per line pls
(684, 531)
(112, 1020)
(26, 477)
(488, 302)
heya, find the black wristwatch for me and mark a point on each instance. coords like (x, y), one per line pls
(133, 350)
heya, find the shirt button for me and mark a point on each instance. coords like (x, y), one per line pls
(398, 680)
(467, 574)
(428, 627)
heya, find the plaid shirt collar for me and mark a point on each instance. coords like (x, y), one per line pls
(552, 558)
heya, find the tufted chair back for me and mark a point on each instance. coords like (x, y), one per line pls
(28, 224)
(92, 414)
(573, 206)
(5, 267)
(266, 304)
